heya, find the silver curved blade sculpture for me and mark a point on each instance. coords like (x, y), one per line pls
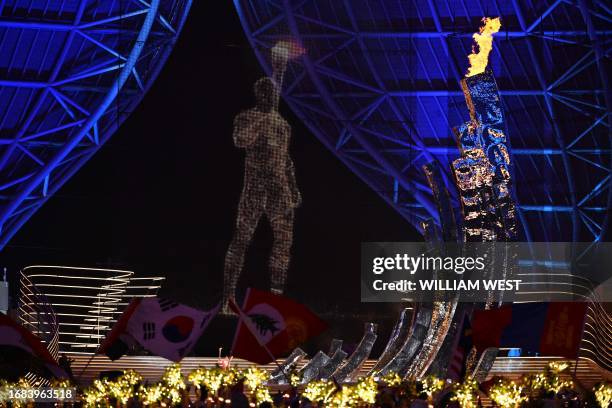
(400, 363)
(335, 345)
(282, 373)
(350, 369)
(332, 365)
(311, 370)
(441, 319)
(440, 365)
(398, 337)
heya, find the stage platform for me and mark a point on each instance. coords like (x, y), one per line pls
(151, 368)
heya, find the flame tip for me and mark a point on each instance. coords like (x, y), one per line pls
(484, 42)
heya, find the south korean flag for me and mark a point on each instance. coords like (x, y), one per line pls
(166, 328)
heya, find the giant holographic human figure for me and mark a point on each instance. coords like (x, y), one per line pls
(270, 188)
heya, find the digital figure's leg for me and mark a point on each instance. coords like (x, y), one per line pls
(282, 228)
(246, 223)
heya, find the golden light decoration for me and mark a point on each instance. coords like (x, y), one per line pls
(348, 396)
(535, 382)
(507, 394)
(603, 394)
(319, 390)
(131, 377)
(261, 395)
(216, 378)
(465, 393)
(150, 395)
(295, 379)
(4, 385)
(558, 366)
(255, 379)
(173, 377)
(550, 380)
(555, 383)
(344, 398)
(173, 383)
(230, 377)
(212, 378)
(123, 388)
(97, 395)
(198, 376)
(432, 384)
(16, 402)
(366, 390)
(391, 379)
(169, 391)
(61, 383)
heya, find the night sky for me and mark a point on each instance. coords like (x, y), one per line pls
(160, 198)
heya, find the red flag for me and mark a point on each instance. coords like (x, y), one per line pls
(271, 325)
(563, 329)
(12, 334)
(165, 328)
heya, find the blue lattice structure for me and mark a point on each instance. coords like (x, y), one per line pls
(71, 71)
(379, 86)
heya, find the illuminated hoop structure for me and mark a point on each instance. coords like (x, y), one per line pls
(597, 338)
(72, 72)
(380, 87)
(86, 301)
(37, 314)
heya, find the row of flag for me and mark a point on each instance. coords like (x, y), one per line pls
(271, 325)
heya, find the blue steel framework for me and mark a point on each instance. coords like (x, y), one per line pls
(379, 86)
(70, 72)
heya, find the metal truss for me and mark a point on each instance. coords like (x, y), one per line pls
(72, 71)
(379, 86)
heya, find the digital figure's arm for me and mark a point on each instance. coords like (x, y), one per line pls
(279, 59)
(294, 191)
(282, 52)
(247, 127)
(296, 196)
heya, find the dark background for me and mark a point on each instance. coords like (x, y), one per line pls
(160, 198)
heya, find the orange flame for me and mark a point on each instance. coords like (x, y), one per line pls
(484, 41)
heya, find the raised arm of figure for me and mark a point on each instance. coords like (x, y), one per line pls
(247, 127)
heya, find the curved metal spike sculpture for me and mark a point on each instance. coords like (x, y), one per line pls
(332, 365)
(334, 346)
(73, 71)
(401, 362)
(351, 367)
(311, 370)
(441, 320)
(397, 338)
(283, 371)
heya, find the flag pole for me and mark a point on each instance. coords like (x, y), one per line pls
(129, 309)
(78, 377)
